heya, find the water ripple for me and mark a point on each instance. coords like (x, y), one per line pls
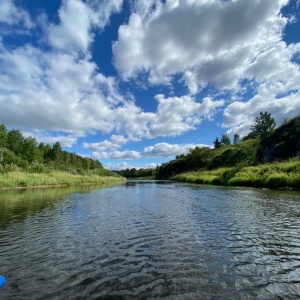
(148, 240)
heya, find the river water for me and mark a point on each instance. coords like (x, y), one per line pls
(150, 240)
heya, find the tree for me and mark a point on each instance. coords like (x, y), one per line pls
(30, 151)
(217, 143)
(45, 152)
(263, 125)
(3, 136)
(15, 141)
(236, 138)
(56, 152)
(225, 139)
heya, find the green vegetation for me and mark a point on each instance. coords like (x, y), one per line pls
(275, 175)
(263, 126)
(54, 178)
(25, 163)
(266, 157)
(138, 174)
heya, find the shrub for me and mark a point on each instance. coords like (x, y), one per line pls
(277, 180)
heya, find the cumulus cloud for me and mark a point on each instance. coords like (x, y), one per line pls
(118, 167)
(223, 43)
(115, 143)
(239, 116)
(200, 43)
(12, 15)
(125, 165)
(53, 91)
(77, 18)
(168, 150)
(127, 154)
(218, 42)
(103, 10)
(159, 150)
(176, 115)
(73, 32)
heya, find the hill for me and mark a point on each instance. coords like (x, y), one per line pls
(280, 149)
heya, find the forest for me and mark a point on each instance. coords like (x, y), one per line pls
(19, 152)
(24, 162)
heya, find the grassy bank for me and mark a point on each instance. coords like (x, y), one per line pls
(22, 179)
(272, 175)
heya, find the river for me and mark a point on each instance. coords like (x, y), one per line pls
(150, 240)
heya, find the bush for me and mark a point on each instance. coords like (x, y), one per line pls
(277, 180)
(37, 168)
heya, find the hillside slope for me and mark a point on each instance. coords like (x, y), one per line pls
(280, 145)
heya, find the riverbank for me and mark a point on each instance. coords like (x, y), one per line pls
(55, 178)
(275, 175)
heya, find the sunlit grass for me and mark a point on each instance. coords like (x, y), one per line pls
(22, 179)
(275, 175)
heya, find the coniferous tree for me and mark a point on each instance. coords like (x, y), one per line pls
(217, 143)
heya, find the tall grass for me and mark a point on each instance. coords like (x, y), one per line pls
(276, 175)
(16, 179)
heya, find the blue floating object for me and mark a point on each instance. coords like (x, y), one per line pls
(2, 280)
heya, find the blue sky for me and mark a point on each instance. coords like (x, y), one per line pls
(134, 83)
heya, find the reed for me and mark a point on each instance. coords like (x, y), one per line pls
(18, 179)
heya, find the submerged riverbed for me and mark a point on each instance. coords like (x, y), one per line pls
(150, 239)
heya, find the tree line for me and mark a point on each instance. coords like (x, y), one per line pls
(18, 151)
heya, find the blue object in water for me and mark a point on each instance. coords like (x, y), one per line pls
(2, 280)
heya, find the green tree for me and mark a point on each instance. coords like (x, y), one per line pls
(66, 157)
(263, 125)
(56, 152)
(30, 150)
(225, 139)
(87, 162)
(236, 138)
(3, 136)
(45, 151)
(15, 141)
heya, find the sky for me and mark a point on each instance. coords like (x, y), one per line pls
(134, 83)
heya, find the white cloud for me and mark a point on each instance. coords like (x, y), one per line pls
(103, 10)
(118, 167)
(125, 165)
(219, 42)
(77, 18)
(161, 150)
(214, 42)
(239, 116)
(13, 15)
(116, 141)
(128, 154)
(73, 32)
(168, 150)
(176, 115)
(55, 91)
(65, 141)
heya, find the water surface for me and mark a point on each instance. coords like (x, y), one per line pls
(150, 240)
